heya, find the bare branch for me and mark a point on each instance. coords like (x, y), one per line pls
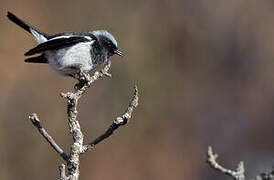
(212, 161)
(119, 121)
(77, 147)
(36, 122)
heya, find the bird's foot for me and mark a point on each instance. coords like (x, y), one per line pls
(83, 78)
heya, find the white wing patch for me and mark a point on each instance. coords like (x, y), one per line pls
(59, 37)
(38, 37)
(69, 36)
(89, 38)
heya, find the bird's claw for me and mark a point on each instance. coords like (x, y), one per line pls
(83, 78)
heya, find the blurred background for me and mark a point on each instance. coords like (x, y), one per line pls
(204, 68)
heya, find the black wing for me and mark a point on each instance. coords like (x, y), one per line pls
(56, 44)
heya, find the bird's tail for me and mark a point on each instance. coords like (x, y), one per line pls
(39, 36)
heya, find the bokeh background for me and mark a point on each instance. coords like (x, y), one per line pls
(204, 68)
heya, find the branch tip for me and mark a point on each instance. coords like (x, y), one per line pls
(240, 167)
(211, 155)
(33, 117)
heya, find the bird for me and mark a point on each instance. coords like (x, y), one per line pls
(71, 52)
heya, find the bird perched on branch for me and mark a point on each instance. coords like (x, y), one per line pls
(70, 53)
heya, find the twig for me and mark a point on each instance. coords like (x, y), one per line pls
(119, 121)
(36, 122)
(212, 160)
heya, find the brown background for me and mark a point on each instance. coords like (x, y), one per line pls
(204, 68)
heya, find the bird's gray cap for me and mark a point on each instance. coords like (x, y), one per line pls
(106, 34)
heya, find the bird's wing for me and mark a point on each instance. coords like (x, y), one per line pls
(57, 43)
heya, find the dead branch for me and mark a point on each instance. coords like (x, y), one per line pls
(239, 173)
(77, 147)
(212, 161)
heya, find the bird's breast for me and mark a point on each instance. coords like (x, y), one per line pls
(71, 59)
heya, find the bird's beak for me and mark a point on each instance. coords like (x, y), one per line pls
(118, 52)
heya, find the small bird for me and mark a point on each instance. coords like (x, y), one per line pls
(70, 53)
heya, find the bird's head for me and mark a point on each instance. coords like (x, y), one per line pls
(108, 42)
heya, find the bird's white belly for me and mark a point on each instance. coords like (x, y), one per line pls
(71, 60)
